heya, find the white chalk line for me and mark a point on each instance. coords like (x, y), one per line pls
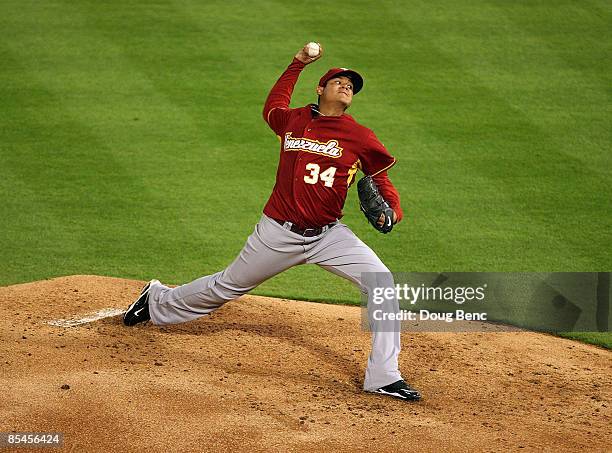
(89, 317)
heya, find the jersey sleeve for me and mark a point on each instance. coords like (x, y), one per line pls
(276, 110)
(375, 161)
(375, 158)
(389, 193)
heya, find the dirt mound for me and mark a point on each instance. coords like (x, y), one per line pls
(270, 374)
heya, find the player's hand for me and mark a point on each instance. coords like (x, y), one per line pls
(302, 54)
(381, 219)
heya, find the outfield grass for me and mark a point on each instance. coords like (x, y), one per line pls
(132, 141)
(603, 339)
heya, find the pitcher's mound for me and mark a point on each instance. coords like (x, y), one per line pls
(271, 374)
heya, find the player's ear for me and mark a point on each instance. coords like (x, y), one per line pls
(320, 90)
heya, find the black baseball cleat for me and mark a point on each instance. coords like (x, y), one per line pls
(400, 390)
(139, 310)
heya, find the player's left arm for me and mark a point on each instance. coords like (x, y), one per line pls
(376, 161)
(390, 194)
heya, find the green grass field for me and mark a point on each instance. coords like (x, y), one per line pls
(132, 141)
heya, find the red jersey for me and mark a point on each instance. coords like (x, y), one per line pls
(319, 156)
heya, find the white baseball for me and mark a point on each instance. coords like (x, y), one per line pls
(312, 49)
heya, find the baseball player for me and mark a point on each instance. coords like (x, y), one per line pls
(321, 149)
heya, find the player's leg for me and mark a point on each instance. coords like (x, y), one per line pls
(269, 250)
(344, 254)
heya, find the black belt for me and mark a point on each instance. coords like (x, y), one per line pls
(308, 232)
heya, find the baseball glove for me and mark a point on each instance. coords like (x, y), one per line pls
(373, 204)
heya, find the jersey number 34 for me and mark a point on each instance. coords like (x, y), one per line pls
(326, 176)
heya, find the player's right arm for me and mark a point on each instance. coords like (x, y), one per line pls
(276, 109)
